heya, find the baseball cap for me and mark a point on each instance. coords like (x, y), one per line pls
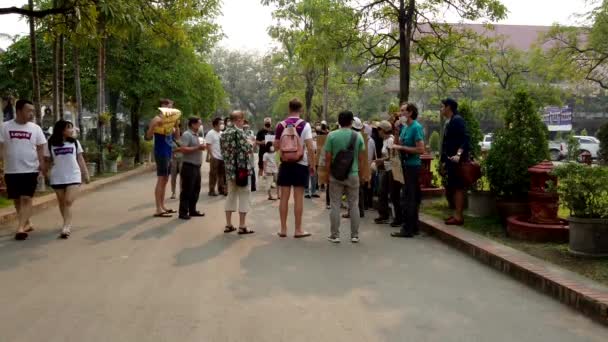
(357, 124)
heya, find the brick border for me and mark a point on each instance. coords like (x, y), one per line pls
(578, 292)
(46, 201)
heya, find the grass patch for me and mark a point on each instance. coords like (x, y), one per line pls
(596, 269)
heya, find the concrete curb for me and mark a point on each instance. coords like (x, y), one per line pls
(578, 292)
(46, 201)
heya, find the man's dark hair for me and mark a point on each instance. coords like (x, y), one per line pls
(452, 104)
(295, 105)
(21, 103)
(216, 122)
(165, 102)
(193, 120)
(346, 118)
(412, 109)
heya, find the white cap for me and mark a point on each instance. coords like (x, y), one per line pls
(324, 122)
(357, 124)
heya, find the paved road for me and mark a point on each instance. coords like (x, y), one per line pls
(125, 276)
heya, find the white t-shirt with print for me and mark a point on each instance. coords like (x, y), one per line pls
(213, 140)
(20, 143)
(65, 168)
(270, 162)
(386, 148)
(306, 135)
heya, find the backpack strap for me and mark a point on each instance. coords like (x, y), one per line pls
(353, 139)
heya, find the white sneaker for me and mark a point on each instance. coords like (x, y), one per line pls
(333, 239)
(354, 239)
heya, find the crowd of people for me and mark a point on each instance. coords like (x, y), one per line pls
(361, 166)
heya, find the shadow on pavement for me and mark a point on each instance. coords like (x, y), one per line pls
(120, 229)
(160, 231)
(206, 251)
(15, 253)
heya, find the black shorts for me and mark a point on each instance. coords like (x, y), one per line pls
(454, 179)
(62, 186)
(293, 174)
(163, 166)
(21, 184)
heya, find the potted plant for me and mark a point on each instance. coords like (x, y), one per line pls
(91, 155)
(111, 155)
(146, 147)
(482, 201)
(128, 157)
(584, 190)
(520, 144)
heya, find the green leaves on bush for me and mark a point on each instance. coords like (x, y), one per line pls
(574, 148)
(602, 135)
(522, 143)
(434, 141)
(583, 189)
(467, 112)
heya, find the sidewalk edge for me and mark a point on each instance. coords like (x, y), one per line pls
(582, 294)
(47, 201)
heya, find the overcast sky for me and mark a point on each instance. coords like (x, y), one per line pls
(245, 22)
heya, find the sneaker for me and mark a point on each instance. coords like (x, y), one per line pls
(381, 220)
(173, 197)
(354, 239)
(395, 224)
(328, 207)
(212, 194)
(316, 196)
(333, 239)
(307, 196)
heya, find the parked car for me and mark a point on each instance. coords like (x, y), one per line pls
(588, 144)
(486, 144)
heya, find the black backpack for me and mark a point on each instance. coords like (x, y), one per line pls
(343, 162)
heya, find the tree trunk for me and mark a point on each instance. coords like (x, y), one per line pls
(114, 133)
(61, 77)
(325, 91)
(101, 106)
(78, 89)
(406, 27)
(55, 79)
(309, 93)
(35, 74)
(134, 136)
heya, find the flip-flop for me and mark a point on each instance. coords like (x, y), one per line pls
(306, 234)
(20, 236)
(245, 231)
(29, 229)
(170, 211)
(281, 235)
(164, 215)
(229, 229)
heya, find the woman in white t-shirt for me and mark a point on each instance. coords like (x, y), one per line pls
(271, 170)
(68, 170)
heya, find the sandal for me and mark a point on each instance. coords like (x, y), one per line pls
(165, 215)
(454, 222)
(303, 235)
(245, 231)
(170, 211)
(281, 235)
(229, 229)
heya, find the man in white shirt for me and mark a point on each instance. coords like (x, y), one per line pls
(22, 145)
(217, 172)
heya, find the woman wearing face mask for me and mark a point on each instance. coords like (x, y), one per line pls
(68, 170)
(388, 187)
(264, 136)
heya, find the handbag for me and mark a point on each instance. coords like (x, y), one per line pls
(397, 168)
(469, 172)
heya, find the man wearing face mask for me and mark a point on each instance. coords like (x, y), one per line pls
(191, 148)
(264, 136)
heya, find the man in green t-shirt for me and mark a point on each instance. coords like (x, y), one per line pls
(411, 146)
(338, 141)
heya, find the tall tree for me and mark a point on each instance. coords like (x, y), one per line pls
(391, 27)
(34, 57)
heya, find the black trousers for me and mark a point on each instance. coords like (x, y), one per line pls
(390, 188)
(410, 199)
(191, 188)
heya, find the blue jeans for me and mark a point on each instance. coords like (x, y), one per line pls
(311, 185)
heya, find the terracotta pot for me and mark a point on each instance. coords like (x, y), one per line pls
(510, 207)
(588, 237)
(482, 204)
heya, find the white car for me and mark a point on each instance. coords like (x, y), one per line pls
(486, 144)
(588, 144)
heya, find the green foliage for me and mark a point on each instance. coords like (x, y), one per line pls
(475, 136)
(112, 152)
(574, 148)
(584, 132)
(602, 135)
(522, 143)
(434, 141)
(583, 189)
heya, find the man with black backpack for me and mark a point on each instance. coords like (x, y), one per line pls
(344, 152)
